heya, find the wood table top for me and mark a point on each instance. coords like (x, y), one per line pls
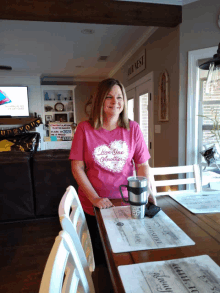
(203, 229)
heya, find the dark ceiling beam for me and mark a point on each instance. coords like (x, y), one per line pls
(93, 11)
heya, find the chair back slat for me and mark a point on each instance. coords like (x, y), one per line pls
(75, 224)
(75, 216)
(73, 283)
(54, 279)
(197, 178)
(175, 182)
(174, 170)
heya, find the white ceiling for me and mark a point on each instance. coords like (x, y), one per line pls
(58, 49)
(49, 48)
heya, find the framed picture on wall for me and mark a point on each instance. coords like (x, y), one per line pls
(163, 102)
(69, 107)
(48, 118)
(61, 117)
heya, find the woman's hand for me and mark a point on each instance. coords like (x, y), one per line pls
(152, 199)
(102, 203)
(143, 170)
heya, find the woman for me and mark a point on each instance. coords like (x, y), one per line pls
(103, 151)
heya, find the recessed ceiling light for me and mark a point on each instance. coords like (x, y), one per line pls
(87, 31)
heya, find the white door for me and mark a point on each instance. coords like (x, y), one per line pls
(140, 94)
(131, 97)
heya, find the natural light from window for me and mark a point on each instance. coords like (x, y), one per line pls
(131, 109)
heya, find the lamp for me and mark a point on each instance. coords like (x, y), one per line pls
(210, 155)
(213, 78)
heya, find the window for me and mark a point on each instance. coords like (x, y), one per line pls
(144, 116)
(210, 106)
(131, 109)
(193, 147)
(194, 106)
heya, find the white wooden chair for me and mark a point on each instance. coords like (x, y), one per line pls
(174, 170)
(72, 220)
(57, 276)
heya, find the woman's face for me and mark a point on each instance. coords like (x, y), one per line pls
(114, 102)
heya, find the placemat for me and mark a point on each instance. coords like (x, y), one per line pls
(127, 234)
(199, 203)
(191, 274)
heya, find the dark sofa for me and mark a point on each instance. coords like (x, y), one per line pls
(33, 183)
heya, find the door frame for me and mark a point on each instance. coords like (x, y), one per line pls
(147, 78)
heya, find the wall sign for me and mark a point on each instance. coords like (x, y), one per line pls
(138, 65)
(163, 111)
(61, 130)
(21, 129)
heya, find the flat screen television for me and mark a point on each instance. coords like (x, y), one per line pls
(14, 101)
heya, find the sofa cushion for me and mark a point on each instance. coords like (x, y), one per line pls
(51, 176)
(16, 193)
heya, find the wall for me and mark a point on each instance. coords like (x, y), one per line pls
(162, 52)
(83, 91)
(198, 30)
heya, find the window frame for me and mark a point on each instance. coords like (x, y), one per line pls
(192, 142)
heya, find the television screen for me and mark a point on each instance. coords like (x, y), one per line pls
(14, 101)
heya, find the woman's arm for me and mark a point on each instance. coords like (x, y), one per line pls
(143, 170)
(78, 170)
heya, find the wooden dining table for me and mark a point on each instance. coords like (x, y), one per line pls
(203, 229)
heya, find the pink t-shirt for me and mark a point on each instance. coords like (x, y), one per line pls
(108, 158)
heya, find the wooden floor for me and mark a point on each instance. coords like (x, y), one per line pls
(24, 249)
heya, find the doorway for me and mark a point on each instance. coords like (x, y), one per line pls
(140, 109)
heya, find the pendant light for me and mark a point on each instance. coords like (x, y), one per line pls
(213, 78)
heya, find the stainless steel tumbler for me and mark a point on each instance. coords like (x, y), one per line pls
(137, 195)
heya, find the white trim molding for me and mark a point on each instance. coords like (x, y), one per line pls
(145, 78)
(192, 148)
